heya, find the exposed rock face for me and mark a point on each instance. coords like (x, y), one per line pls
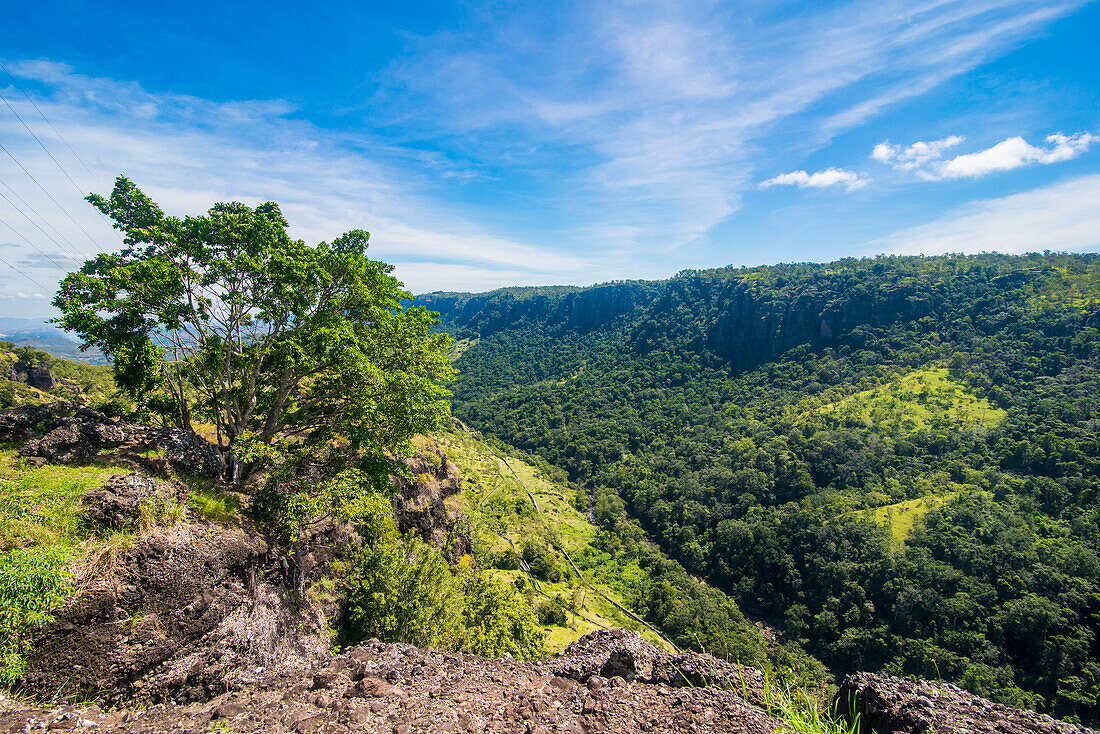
(892, 705)
(69, 434)
(421, 504)
(179, 615)
(41, 378)
(118, 502)
(624, 653)
(400, 688)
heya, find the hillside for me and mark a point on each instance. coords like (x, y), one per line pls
(894, 461)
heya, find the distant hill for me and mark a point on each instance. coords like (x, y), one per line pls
(894, 461)
(41, 334)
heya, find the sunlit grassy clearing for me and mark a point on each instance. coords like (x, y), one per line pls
(923, 399)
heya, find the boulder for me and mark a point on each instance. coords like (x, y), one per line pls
(891, 705)
(41, 378)
(624, 653)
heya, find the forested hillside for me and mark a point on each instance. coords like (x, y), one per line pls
(892, 460)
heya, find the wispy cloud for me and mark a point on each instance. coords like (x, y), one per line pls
(818, 180)
(1063, 216)
(926, 157)
(663, 108)
(188, 153)
(915, 156)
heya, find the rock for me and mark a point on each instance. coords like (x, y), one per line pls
(624, 653)
(68, 434)
(41, 378)
(420, 504)
(181, 614)
(118, 502)
(890, 705)
(188, 453)
(75, 439)
(27, 421)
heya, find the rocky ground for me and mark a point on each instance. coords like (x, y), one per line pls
(400, 689)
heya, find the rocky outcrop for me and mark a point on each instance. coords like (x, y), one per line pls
(180, 615)
(422, 502)
(117, 504)
(400, 688)
(890, 705)
(69, 434)
(623, 653)
(42, 378)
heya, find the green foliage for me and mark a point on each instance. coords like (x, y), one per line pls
(94, 383)
(213, 504)
(541, 560)
(400, 592)
(225, 316)
(303, 488)
(758, 424)
(32, 582)
(405, 591)
(497, 619)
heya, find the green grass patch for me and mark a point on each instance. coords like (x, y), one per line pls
(209, 502)
(39, 505)
(900, 517)
(923, 399)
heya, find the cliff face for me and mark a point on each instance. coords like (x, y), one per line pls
(726, 314)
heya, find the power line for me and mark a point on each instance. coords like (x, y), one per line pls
(2, 260)
(43, 147)
(46, 150)
(35, 212)
(55, 130)
(40, 252)
(50, 196)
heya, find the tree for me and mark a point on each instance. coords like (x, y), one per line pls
(226, 318)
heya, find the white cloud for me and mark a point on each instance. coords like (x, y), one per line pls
(188, 153)
(926, 158)
(818, 180)
(1014, 153)
(916, 155)
(1062, 216)
(21, 296)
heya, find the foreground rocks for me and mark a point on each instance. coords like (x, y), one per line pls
(891, 705)
(624, 653)
(378, 687)
(70, 434)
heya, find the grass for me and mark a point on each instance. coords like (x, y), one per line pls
(801, 712)
(927, 398)
(500, 510)
(900, 517)
(209, 502)
(39, 505)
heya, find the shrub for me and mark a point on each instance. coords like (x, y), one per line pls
(32, 583)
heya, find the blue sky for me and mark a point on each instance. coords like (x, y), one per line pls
(492, 144)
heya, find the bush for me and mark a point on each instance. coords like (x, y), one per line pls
(32, 583)
(404, 591)
(541, 560)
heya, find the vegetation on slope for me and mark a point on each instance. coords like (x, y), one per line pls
(752, 420)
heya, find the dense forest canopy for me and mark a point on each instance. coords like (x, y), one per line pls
(893, 460)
